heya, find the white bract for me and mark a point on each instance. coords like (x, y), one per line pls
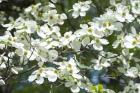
(68, 37)
(54, 1)
(42, 73)
(44, 31)
(2, 81)
(76, 45)
(135, 6)
(56, 45)
(131, 41)
(100, 63)
(80, 9)
(97, 43)
(52, 17)
(132, 72)
(2, 1)
(2, 63)
(123, 14)
(51, 75)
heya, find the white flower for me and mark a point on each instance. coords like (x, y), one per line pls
(138, 86)
(2, 1)
(18, 23)
(135, 6)
(98, 67)
(51, 75)
(81, 32)
(73, 67)
(132, 72)
(118, 41)
(112, 2)
(70, 68)
(75, 89)
(38, 76)
(132, 40)
(76, 75)
(17, 45)
(101, 62)
(31, 55)
(76, 45)
(97, 62)
(55, 31)
(53, 54)
(2, 65)
(61, 18)
(51, 17)
(20, 48)
(80, 8)
(129, 41)
(122, 14)
(2, 81)
(68, 37)
(28, 9)
(32, 78)
(54, 1)
(5, 37)
(31, 26)
(97, 43)
(69, 83)
(44, 31)
(108, 22)
(20, 51)
(2, 46)
(16, 70)
(34, 10)
(40, 80)
(85, 41)
(94, 29)
(105, 64)
(53, 44)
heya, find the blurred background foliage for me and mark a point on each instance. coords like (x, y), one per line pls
(20, 84)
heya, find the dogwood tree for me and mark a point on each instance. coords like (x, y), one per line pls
(82, 46)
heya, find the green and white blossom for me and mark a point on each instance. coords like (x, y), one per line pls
(135, 4)
(123, 14)
(80, 9)
(42, 73)
(44, 41)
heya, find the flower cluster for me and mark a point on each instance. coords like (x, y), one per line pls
(80, 9)
(36, 42)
